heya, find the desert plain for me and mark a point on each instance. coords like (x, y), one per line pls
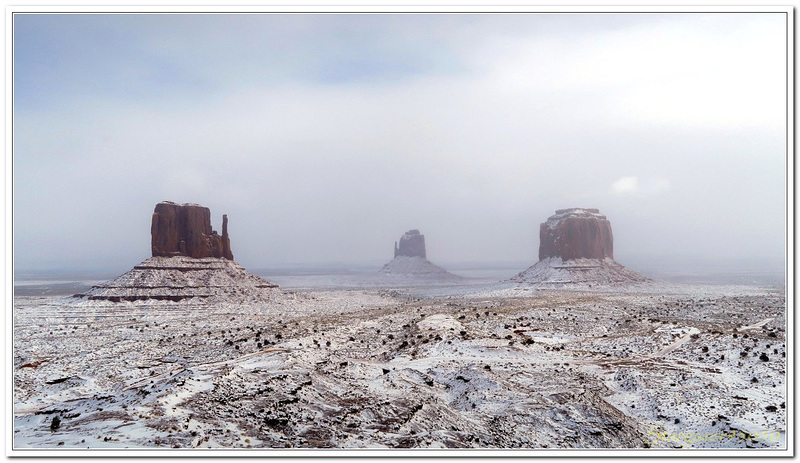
(490, 366)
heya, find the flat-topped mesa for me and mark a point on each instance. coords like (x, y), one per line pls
(412, 244)
(185, 230)
(576, 249)
(576, 233)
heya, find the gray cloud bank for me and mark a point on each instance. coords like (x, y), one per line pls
(325, 137)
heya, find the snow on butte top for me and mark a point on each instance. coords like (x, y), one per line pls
(173, 203)
(578, 212)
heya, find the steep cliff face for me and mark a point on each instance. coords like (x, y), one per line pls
(185, 230)
(412, 244)
(576, 233)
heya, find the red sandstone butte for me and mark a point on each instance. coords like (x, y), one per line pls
(185, 230)
(412, 244)
(576, 233)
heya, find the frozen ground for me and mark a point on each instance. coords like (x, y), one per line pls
(477, 366)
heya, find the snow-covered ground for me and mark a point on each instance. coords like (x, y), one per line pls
(416, 268)
(474, 365)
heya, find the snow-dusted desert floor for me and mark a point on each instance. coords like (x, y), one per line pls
(500, 366)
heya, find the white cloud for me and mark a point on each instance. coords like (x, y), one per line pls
(716, 71)
(640, 187)
(625, 185)
(660, 185)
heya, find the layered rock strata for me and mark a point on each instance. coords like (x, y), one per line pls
(178, 278)
(555, 272)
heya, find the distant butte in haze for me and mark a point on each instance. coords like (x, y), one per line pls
(410, 261)
(412, 244)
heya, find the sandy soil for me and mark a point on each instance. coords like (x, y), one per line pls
(510, 368)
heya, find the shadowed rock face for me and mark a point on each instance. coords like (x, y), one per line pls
(412, 244)
(185, 230)
(576, 233)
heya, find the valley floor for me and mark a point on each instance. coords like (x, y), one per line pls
(375, 368)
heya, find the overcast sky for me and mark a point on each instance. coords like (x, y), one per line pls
(326, 137)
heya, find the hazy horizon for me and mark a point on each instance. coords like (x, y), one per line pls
(654, 267)
(325, 137)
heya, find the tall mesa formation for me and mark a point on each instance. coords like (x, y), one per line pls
(190, 263)
(185, 230)
(412, 244)
(576, 233)
(576, 249)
